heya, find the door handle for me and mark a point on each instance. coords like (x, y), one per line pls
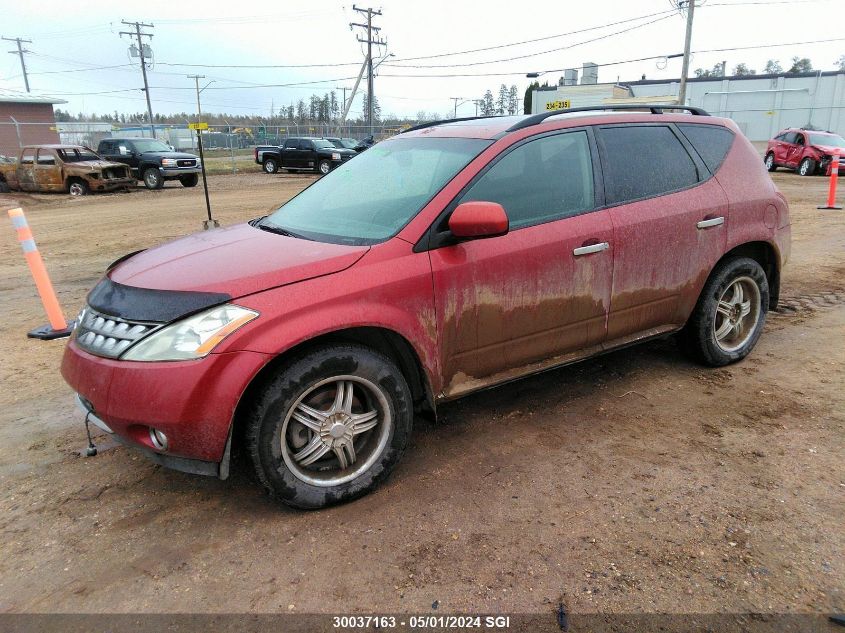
(592, 248)
(706, 224)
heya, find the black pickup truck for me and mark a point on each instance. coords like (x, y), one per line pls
(152, 161)
(302, 153)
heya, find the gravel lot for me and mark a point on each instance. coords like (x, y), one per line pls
(632, 483)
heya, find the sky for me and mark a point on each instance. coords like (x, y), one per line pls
(221, 40)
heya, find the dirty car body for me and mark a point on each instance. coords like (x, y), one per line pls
(66, 168)
(449, 259)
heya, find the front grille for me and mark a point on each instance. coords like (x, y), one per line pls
(109, 336)
(186, 162)
(110, 174)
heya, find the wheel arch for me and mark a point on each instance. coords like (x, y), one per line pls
(381, 339)
(765, 254)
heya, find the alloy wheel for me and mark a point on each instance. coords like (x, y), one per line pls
(737, 314)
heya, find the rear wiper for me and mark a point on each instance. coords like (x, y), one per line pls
(280, 231)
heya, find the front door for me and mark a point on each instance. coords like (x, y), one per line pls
(48, 171)
(307, 153)
(669, 227)
(290, 153)
(540, 294)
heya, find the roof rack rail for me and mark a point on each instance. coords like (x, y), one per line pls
(422, 126)
(536, 119)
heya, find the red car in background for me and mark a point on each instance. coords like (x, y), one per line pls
(453, 257)
(806, 151)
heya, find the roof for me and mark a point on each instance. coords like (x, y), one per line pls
(55, 146)
(646, 82)
(7, 98)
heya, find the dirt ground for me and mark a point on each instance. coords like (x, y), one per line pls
(635, 482)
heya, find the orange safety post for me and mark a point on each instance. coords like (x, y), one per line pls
(834, 176)
(58, 326)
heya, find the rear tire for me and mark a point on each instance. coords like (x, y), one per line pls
(270, 166)
(730, 314)
(190, 180)
(153, 178)
(770, 162)
(807, 167)
(299, 425)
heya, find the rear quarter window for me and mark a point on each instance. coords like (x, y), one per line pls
(712, 143)
(644, 162)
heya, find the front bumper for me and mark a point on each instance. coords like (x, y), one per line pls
(175, 172)
(112, 184)
(192, 402)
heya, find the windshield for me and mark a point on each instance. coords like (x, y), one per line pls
(150, 145)
(369, 199)
(349, 143)
(323, 143)
(831, 140)
(77, 155)
(335, 141)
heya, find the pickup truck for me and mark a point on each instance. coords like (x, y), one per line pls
(152, 161)
(298, 153)
(73, 169)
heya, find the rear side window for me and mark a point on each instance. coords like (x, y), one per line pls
(712, 143)
(644, 162)
(545, 179)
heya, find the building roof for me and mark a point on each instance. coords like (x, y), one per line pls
(646, 82)
(25, 98)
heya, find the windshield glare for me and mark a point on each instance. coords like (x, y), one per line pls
(150, 145)
(831, 140)
(370, 198)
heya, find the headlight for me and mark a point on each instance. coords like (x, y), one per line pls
(168, 162)
(193, 337)
(335, 155)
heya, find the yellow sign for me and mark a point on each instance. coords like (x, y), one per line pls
(198, 126)
(558, 105)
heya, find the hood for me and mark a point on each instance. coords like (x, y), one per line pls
(170, 155)
(238, 261)
(830, 149)
(345, 150)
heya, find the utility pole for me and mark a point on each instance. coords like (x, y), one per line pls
(682, 90)
(370, 12)
(456, 99)
(196, 79)
(137, 34)
(20, 52)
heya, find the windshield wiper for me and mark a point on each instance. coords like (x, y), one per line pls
(279, 231)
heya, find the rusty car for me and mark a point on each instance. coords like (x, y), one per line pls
(72, 169)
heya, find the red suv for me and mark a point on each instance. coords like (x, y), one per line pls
(806, 151)
(454, 257)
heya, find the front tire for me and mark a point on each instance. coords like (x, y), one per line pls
(330, 426)
(730, 314)
(324, 167)
(807, 167)
(153, 178)
(190, 180)
(77, 188)
(770, 162)
(270, 166)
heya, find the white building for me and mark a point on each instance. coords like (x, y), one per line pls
(761, 105)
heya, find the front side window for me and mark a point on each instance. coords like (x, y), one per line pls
(790, 137)
(644, 162)
(369, 199)
(28, 157)
(291, 143)
(306, 144)
(545, 179)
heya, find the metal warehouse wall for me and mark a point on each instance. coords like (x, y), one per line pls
(26, 114)
(762, 106)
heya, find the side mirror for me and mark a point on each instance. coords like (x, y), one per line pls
(474, 220)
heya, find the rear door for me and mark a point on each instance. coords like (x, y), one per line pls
(48, 171)
(290, 153)
(669, 226)
(542, 291)
(26, 170)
